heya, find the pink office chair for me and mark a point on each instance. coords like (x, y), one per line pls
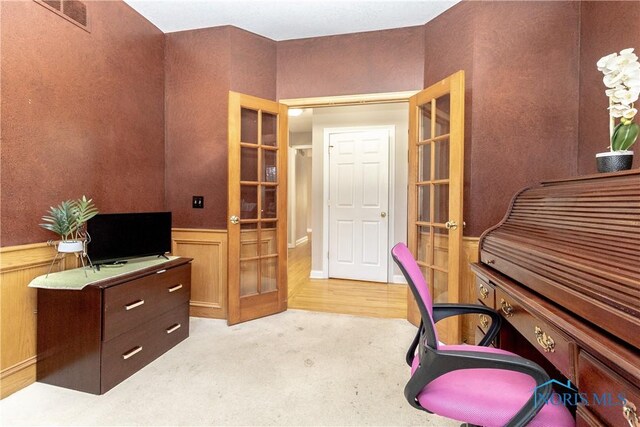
(474, 384)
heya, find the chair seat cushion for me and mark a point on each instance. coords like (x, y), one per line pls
(486, 397)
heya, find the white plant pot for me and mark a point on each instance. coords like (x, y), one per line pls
(70, 246)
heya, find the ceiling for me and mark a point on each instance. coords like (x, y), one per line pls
(287, 19)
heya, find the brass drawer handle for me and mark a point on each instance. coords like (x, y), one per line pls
(484, 321)
(545, 341)
(629, 413)
(173, 328)
(506, 308)
(134, 304)
(491, 261)
(484, 292)
(160, 271)
(176, 287)
(131, 353)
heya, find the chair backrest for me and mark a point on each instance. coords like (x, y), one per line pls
(418, 285)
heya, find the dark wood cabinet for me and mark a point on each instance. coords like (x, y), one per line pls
(563, 269)
(92, 339)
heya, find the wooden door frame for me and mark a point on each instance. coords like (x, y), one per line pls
(390, 192)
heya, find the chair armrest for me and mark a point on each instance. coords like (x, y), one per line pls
(442, 311)
(411, 353)
(442, 362)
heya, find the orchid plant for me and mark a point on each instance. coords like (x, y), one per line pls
(622, 78)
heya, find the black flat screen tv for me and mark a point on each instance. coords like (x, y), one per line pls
(118, 236)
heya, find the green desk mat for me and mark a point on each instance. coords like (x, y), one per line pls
(76, 280)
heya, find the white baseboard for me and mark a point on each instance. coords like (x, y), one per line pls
(317, 274)
(399, 278)
(291, 245)
(308, 230)
(302, 240)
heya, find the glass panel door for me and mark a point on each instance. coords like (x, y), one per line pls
(257, 214)
(436, 143)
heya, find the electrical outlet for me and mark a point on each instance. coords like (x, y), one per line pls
(198, 202)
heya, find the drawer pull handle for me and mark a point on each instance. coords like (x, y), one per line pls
(491, 261)
(506, 308)
(173, 328)
(484, 292)
(545, 341)
(134, 304)
(160, 271)
(484, 321)
(176, 287)
(630, 414)
(132, 352)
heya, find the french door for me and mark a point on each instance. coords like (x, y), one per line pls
(436, 178)
(257, 212)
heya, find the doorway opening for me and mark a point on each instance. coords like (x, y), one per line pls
(311, 276)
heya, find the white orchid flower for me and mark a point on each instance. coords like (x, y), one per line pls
(613, 79)
(630, 113)
(604, 61)
(624, 96)
(617, 110)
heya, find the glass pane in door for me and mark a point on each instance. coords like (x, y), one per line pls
(268, 274)
(269, 201)
(268, 239)
(248, 126)
(425, 122)
(443, 118)
(441, 203)
(248, 164)
(424, 162)
(441, 162)
(424, 244)
(440, 287)
(423, 203)
(269, 129)
(269, 165)
(248, 202)
(248, 278)
(248, 240)
(441, 248)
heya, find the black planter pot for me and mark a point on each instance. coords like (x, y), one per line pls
(614, 161)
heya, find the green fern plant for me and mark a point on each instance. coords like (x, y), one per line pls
(69, 217)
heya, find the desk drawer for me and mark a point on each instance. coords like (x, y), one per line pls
(617, 397)
(548, 340)
(130, 304)
(485, 293)
(129, 352)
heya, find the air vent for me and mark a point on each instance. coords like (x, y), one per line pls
(74, 11)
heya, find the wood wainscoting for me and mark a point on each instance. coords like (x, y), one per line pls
(18, 304)
(208, 248)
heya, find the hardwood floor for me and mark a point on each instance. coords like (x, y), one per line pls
(341, 296)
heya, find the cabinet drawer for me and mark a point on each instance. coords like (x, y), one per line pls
(548, 340)
(485, 293)
(132, 303)
(129, 352)
(615, 399)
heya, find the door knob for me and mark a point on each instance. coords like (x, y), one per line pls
(234, 219)
(451, 225)
(383, 214)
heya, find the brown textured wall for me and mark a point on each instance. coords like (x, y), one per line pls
(82, 113)
(521, 61)
(605, 27)
(369, 62)
(201, 67)
(443, 56)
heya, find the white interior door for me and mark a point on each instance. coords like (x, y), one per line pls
(359, 205)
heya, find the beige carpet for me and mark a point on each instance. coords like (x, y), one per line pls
(295, 368)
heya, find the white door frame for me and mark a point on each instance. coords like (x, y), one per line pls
(325, 193)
